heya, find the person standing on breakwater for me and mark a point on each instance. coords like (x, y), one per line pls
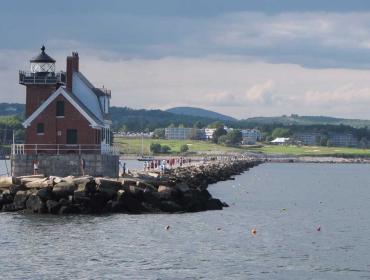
(124, 169)
(82, 166)
(35, 167)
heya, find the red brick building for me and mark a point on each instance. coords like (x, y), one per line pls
(64, 111)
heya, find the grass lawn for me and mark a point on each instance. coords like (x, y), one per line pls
(133, 145)
(312, 150)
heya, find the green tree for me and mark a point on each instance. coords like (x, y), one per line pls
(232, 138)
(364, 143)
(216, 125)
(155, 148)
(184, 148)
(324, 141)
(159, 133)
(198, 124)
(280, 132)
(165, 149)
(218, 132)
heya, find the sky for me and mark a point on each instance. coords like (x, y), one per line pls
(241, 58)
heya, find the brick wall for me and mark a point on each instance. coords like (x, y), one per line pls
(55, 128)
(35, 95)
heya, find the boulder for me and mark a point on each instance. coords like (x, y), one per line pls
(6, 182)
(6, 197)
(53, 206)
(20, 199)
(69, 209)
(128, 203)
(10, 207)
(142, 184)
(170, 207)
(86, 186)
(154, 175)
(56, 179)
(108, 187)
(38, 184)
(82, 180)
(35, 204)
(126, 182)
(64, 189)
(96, 203)
(27, 179)
(183, 187)
(164, 189)
(214, 204)
(15, 188)
(136, 192)
(45, 193)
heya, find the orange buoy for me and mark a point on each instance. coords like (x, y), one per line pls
(254, 231)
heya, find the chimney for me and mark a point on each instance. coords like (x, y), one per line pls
(72, 66)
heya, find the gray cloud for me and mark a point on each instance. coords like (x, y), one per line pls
(311, 39)
(239, 63)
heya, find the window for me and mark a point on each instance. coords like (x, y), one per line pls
(71, 136)
(60, 108)
(40, 128)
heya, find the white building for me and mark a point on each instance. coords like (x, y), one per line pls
(280, 141)
(209, 133)
(251, 136)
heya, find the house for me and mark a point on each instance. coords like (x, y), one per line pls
(251, 136)
(65, 113)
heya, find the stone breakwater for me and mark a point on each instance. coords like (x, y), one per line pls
(182, 189)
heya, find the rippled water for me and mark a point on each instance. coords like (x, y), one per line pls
(285, 202)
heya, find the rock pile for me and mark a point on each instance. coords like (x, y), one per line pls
(179, 190)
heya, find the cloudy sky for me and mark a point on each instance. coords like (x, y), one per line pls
(242, 58)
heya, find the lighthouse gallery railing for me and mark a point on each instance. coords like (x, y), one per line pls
(57, 149)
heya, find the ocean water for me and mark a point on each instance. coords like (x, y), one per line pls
(286, 203)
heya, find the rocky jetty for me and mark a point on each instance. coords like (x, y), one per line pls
(182, 189)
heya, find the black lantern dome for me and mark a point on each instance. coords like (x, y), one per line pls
(42, 63)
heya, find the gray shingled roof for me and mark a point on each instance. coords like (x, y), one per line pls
(87, 110)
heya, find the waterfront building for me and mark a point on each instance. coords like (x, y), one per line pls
(251, 136)
(343, 140)
(65, 115)
(308, 138)
(184, 133)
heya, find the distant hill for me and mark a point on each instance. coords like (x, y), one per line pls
(304, 120)
(9, 109)
(198, 112)
(141, 119)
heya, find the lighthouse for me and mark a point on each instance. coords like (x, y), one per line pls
(67, 119)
